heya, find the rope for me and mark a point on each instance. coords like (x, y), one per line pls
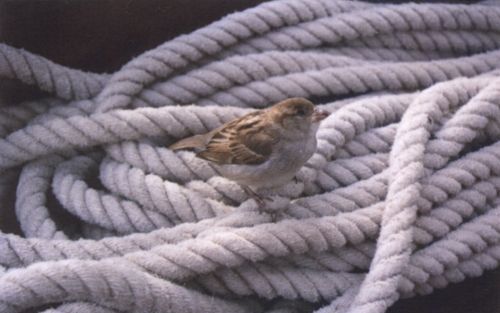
(65, 83)
(402, 196)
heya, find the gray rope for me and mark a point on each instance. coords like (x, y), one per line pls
(402, 196)
(34, 70)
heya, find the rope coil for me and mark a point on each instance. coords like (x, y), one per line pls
(401, 197)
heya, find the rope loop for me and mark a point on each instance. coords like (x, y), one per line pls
(401, 197)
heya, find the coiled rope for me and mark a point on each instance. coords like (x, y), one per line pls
(401, 197)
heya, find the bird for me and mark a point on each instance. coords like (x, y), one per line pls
(263, 149)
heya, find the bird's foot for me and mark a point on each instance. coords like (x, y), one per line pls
(274, 216)
(258, 198)
(273, 206)
(252, 194)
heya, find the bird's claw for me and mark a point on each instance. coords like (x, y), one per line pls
(261, 201)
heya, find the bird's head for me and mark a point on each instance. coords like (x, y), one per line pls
(297, 114)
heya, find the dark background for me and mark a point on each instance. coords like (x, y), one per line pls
(102, 35)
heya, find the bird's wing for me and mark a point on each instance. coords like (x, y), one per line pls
(193, 142)
(243, 141)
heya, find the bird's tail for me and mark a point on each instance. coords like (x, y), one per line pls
(193, 142)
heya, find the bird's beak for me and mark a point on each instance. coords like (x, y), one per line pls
(319, 115)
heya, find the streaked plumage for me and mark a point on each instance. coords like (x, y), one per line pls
(262, 149)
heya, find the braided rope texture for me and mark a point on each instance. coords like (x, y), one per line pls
(401, 197)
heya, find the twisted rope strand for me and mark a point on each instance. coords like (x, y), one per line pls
(176, 55)
(400, 198)
(63, 82)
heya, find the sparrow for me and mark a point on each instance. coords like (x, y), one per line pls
(262, 149)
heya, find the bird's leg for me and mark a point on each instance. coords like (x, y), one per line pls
(252, 194)
(295, 179)
(260, 201)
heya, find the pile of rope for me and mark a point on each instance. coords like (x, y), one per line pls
(401, 197)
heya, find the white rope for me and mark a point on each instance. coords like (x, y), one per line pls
(401, 197)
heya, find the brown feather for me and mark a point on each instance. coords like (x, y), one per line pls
(248, 139)
(193, 142)
(239, 142)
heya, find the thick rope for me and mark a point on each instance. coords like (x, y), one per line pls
(402, 196)
(63, 82)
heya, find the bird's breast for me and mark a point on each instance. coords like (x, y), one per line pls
(286, 159)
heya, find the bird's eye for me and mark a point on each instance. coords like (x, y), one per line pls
(301, 111)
